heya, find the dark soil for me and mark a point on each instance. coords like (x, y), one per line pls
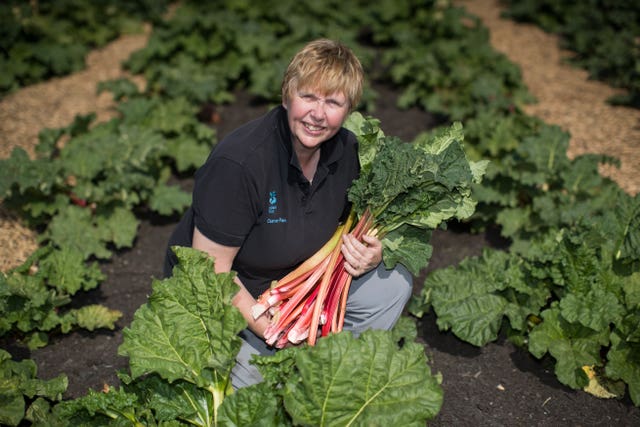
(496, 385)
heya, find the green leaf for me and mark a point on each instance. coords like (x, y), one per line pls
(12, 407)
(120, 88)
(631, 289)
(179, 400)
(20, 174)
(95, 316)
(66, 270)
(369, 134)
(188, 328)
(38, 413)
(476, 320)
(386, 385)
(472, 298)
(409, 246)
(167, 199)
(628, 214)
(172, 117)
(99, 408)
(38, 339)
(276, 369)
(188, 152)
(19, 382)
(118, 226)
(572, 346)
(74, 228)
(624, 363)
(408, 186)
(596, 309)
(405, 329)
(242, 408)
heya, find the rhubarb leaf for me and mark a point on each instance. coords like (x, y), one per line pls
(66, 270)
(624, 363)
(368, 132)
(168, 199)
(188, 328)
(177, 400)
(74, 228)
(119, 227)
(632, 291)
(628, 214)
(242, 408)
(386, 385)
(409, 245)
(19, 174)
(97, 408)
(96, 316)
(472, 298)
(19, 385)
(422, 184)
(595, 309)
(571, 345)
(187, 152)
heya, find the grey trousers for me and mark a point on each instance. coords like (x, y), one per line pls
(376, 301)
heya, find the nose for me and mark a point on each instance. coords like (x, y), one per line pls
(318, 109)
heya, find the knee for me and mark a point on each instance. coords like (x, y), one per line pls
(377, 299)
(395, 285)
(403, 282)
(397, 282)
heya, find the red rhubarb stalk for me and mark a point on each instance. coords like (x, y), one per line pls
(326, 280)
(315, 259)
(288, 311)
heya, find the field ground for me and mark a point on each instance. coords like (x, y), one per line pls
(496, 385)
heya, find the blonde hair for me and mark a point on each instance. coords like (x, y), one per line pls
(327, 66)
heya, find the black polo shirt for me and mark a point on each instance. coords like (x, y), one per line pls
(251, 193)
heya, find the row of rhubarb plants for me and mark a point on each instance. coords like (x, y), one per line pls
(568, 288)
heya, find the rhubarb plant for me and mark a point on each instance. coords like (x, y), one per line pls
(33, 297)
(182, 346)
(24, 396)
(82, 190)
(573, 297)
(531, 186)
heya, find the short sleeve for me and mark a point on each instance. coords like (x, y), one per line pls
(224, 202)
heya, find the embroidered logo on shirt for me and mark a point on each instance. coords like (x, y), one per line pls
(273, 200)
(273, 207)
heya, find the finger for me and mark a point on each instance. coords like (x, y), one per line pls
(356, 247)
(352, 263)
(371, 241)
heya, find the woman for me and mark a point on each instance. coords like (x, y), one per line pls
(273, 192)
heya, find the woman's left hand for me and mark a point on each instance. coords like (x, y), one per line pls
(361, 257)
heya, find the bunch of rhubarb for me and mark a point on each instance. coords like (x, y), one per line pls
(405, 190)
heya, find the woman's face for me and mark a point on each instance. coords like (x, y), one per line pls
(314, 118)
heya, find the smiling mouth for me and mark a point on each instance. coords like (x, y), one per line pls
(313, 128)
